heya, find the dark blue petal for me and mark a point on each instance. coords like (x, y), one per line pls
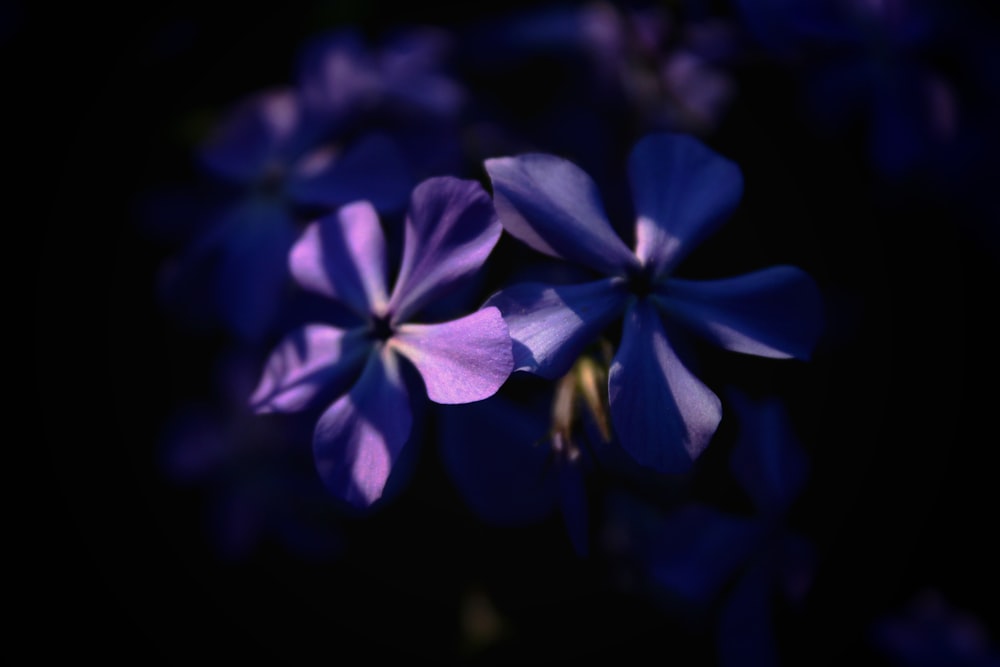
(498, 455)
(372, 168)
(253, 276)
(745, 635)
(663, 415)
(451, 228)
(361, 436)
(699, 549)
(767, 459)
(552, 324)
(553, 206)
(683, 192)
(774, 312)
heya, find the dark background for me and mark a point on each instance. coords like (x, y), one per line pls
(898, 415)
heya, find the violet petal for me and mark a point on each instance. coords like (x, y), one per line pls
(682, 192)
(359, 438)
(451, 228)
(663, 415)
(550, 325)
(554, 207)
(314, 359)
(461, 361)
(775, 312)
(343, 256)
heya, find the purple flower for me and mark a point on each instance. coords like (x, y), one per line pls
(451, 227)
(661, 412)
(931, 632)
(357, 124)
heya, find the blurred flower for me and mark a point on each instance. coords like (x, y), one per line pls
(932, 633)
(906, 69)
(451, 227)
(698, 554)
(661, 412)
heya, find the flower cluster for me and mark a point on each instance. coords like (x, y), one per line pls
(571, 299)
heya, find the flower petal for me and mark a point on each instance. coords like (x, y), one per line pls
(314, 359)
(372, 168)
(774, 312)
(552, 324)
(767, 459)
(461, 361)
(497, 454)
(699, 549)
(451, 229)
(252, 276)
(663, 415)
(745, 634)
(342, 256)
(553, 206)
(359, 438)
(682, 192)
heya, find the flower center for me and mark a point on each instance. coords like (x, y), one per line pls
(640, 282)
(379, 328)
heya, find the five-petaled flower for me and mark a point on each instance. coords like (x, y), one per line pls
(451, 227)
(663, 414)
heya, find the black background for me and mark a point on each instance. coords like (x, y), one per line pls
(898, 412)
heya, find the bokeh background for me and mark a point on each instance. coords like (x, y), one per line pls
(896, 412)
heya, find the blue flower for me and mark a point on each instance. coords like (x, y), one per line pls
(663, 415)
(451, 227)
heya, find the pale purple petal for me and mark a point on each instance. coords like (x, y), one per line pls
(312, 360)
(774, 312)
(663, 415)
(683, 191)
(342, 256)
(359, 438)
(553, 206)
(451, 228)
(372, 168)
(254, 137)
(551, 325)
(461, 361)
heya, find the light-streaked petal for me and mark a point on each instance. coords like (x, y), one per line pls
(342, 256)
(683, 191)
(360, 437)
(663, 415)
(316, 359)
(774, 312)
(550, 325)
(461, 361)
(554, 206)
(451, 228)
